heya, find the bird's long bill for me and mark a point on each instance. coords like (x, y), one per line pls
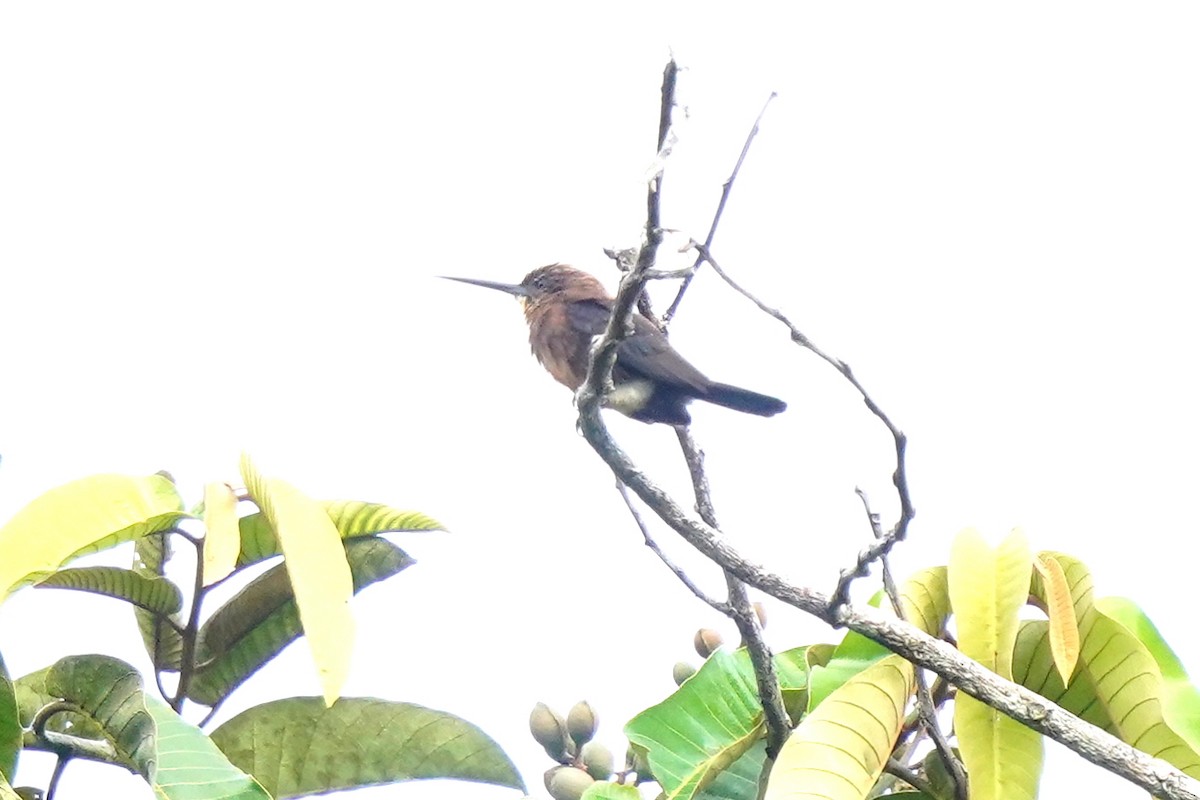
(510, 288)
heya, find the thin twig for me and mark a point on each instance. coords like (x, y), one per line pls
(909, 776)
(899, 531)
(712, 228)
(653, 545)
(646, 256)
(598, 382)
(212, 712)
(925, 705)
(60, 766)
(740, 611)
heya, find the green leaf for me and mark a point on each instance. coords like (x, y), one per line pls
(297, 747)
(839, 750)
(740, 780)
(1117, 684)
(352, 518)
(710, 723)
(163, 643)
(792, 670)
(1180, 700)
(32, 696)
(110, 692)
(192, 767)
(10, 725)
(1033, 668)
(81, 517)
(606, 790)
(258, 622)
(317, 568)
(854, 654)
(151, 593)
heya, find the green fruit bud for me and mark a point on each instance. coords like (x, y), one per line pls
(549, 730)
(29, 793)
(597, 760)
(581, 722)
(681, 672)
(568, 783)
(550, 773)
(636, 760)
(707, 640)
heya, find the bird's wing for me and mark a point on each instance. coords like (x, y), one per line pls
(645, 352)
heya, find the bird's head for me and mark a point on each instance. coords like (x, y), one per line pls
(552, 282)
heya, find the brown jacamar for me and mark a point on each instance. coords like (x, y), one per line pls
(568, 310)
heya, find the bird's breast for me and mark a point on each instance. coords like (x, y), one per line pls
(560, 348)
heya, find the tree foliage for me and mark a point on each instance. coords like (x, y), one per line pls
(856, 731)
(95, 706)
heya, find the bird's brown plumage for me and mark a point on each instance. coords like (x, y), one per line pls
(567, 309)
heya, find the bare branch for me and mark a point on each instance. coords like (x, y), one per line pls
(599, 381)
(741, 612)
(604, 355)
(924, 651)
(1023, 705)
(895, 768)
(712, 228)
(899, 531)
(671, 565)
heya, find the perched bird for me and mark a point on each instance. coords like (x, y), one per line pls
(568, 310)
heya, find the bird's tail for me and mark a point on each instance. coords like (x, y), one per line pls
(743, 400)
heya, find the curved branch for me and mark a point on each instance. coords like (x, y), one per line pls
(883, 545)
(1023, 705)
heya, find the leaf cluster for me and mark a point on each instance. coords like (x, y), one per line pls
(1030, 617)
(96, 706)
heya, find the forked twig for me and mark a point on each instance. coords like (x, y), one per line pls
(882, 546)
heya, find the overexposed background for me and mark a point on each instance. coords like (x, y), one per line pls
(220, 227)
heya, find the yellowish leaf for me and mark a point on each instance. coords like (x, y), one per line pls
(1117, 684)
(1060, 608)
(987, 590)
(82, 517)
(841, 748)
(1002, 756)
(222, 541)
(925, 599)
(320, 576)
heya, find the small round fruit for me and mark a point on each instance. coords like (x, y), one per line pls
(569, 783)
(597, 760)
(681, 672)
(549, 730)
(706, 642)
(581, 722)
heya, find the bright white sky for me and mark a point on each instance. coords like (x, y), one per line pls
(220, 227)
